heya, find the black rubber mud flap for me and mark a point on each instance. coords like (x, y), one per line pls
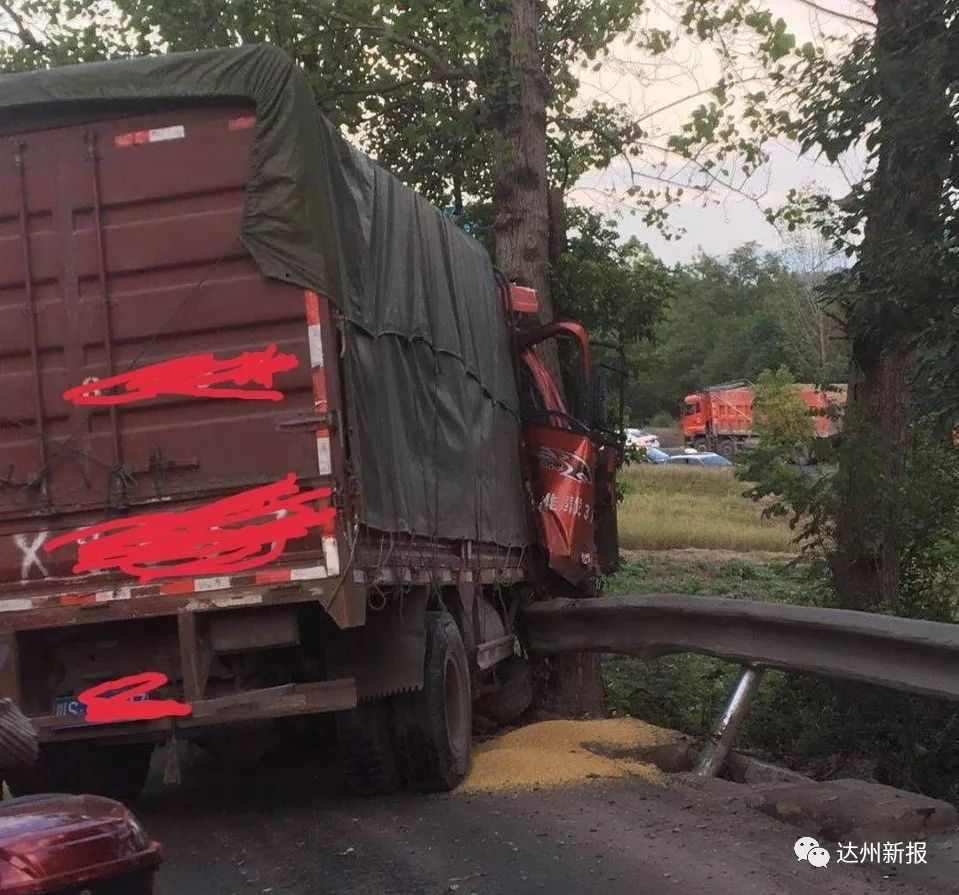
(116, 772)
(366, 749)
(433, 725)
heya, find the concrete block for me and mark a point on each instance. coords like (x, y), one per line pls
(855, 810)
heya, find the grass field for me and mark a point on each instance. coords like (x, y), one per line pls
(752, 576)
(676, 507)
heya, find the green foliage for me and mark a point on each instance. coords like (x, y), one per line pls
(820, 727)
(781, 418)
(923, 497)
(775, 467)
(664, 572)
(44, 33)
(662, 419)
(930, 527)
(632, 453)
(870, 95)
(886, 501)
(618, 289)
(424, 84)
(893, 87)
(729, 319)
(891, 90)
(401, 77)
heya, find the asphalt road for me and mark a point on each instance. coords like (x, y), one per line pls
(289, 828)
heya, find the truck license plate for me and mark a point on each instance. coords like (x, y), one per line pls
(71, 707)
(68, 707)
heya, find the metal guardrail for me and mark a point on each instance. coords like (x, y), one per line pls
(902, 654)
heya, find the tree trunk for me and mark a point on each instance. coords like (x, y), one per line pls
(571, 686)
(899, 274)
(522, 241)
(520, 188)
(867, 563)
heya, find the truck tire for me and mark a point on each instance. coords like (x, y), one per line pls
(116, 772)
(19, 746)
(366, 749)
(727, 448)
(700, 443)
(513, 695)
(433, 725)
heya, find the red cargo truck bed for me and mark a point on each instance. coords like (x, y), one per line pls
(260, 446)
(120, 249)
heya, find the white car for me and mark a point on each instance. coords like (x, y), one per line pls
(641, 438)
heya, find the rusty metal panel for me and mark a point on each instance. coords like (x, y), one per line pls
(119, 248)
(235, 632)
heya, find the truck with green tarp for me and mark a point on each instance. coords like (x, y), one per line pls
(276, 439)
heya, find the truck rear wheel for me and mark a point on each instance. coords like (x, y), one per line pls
(366, 749)
(116, 772)
(433, 726)
(513, 694)
(727, 448)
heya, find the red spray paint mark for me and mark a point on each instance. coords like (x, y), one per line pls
(115, 700)
(194, 376)
(234, 534)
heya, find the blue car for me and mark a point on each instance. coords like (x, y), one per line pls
(655, 455)
(699, 459)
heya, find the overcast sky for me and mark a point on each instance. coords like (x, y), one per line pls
(717, 229)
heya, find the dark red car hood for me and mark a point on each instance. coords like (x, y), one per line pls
(51, 841)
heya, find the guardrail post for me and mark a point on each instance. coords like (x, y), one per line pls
(727, 725)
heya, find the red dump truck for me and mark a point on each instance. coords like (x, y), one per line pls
(276, 440)
(720, 417)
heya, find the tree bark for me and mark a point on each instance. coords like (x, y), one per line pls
(522, 246)
(572, 686)
(899, 274)
(520, 190)
(868, 559)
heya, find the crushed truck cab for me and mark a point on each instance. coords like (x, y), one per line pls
(275, 439)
